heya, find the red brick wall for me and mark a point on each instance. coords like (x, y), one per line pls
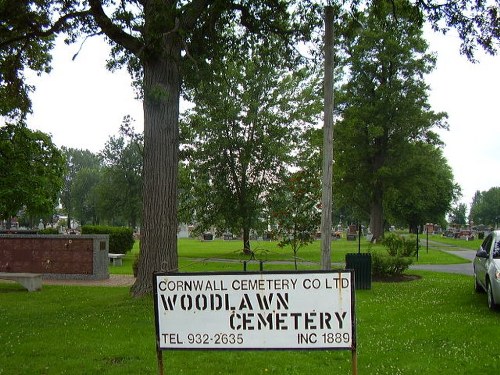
(57, 255)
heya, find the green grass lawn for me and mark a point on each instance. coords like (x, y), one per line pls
(455, 242)
(434, 325)
(218, 255)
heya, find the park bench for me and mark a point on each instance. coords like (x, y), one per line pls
(116, 259)
(31, 281)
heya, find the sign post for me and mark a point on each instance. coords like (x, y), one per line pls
(246, 311)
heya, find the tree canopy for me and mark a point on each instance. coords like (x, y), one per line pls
(384, 107)
(31, 172)
(76, 160)
(241, 134)
(166, 44)
(485, 208)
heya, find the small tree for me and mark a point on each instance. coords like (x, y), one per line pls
(294, 211)
(241, 134)
(31, 172)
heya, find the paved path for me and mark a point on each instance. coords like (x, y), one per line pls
(114, 280)
(463, 268)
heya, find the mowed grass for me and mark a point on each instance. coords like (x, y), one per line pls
(454, 243)
(433, 325)
(218, 255)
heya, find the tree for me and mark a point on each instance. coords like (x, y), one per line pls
(76, 160)
(120, 188)
(241, 134)
(421, 189)
(486, 207)
(294, 210)
(85, 195)
(458, 214)
(384, 107)
(31, 172)
(159, 41)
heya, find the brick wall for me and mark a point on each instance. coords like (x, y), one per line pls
(56, 256)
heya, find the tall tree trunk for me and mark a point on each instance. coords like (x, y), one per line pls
(246, 240)
(377, 214)
(161, 116)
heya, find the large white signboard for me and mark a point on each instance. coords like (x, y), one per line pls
(305, 310)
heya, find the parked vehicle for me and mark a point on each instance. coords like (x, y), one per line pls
(487, 269)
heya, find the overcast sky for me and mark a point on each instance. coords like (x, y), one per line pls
(82, 104)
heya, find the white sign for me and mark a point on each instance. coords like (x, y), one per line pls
(310, 310)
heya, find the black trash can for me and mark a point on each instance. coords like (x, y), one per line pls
(361, 263)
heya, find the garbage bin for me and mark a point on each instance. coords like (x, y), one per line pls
(361, 263)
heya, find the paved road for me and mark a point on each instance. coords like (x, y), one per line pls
(464, 268)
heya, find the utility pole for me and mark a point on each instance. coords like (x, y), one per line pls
(326, 196)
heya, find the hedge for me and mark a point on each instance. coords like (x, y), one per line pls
(121, 239)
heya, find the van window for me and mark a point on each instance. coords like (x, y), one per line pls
(486, 245)
(496, 250)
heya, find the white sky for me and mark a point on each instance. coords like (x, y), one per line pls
(82, 104)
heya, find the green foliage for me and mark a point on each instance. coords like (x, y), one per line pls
(121, 240)
(294, 213)
(84, 195)
(397, 245)
(48, 231)
(414, 200)
(389, 266)
(485, 208)
(77, 162)
(399, 257)
(241, 135)
(20, 51)
(31, 172)
(105, 188)
(458, 215)
(385, 115)
(175, 45)
(120, 188)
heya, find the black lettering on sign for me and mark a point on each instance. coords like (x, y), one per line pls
(168, 303)
(265, 301)
(245, 303)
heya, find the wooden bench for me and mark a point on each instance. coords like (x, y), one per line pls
(31, 281)
(116, 259)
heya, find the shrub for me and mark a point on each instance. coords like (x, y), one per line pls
(389, 266)
(400, 251)
(48, 231)
(121, 240)
(399, 245)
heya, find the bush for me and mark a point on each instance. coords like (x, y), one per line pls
(121, 240)
(48, 231)
(389, 266)
(400, 251)
(399, 245)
